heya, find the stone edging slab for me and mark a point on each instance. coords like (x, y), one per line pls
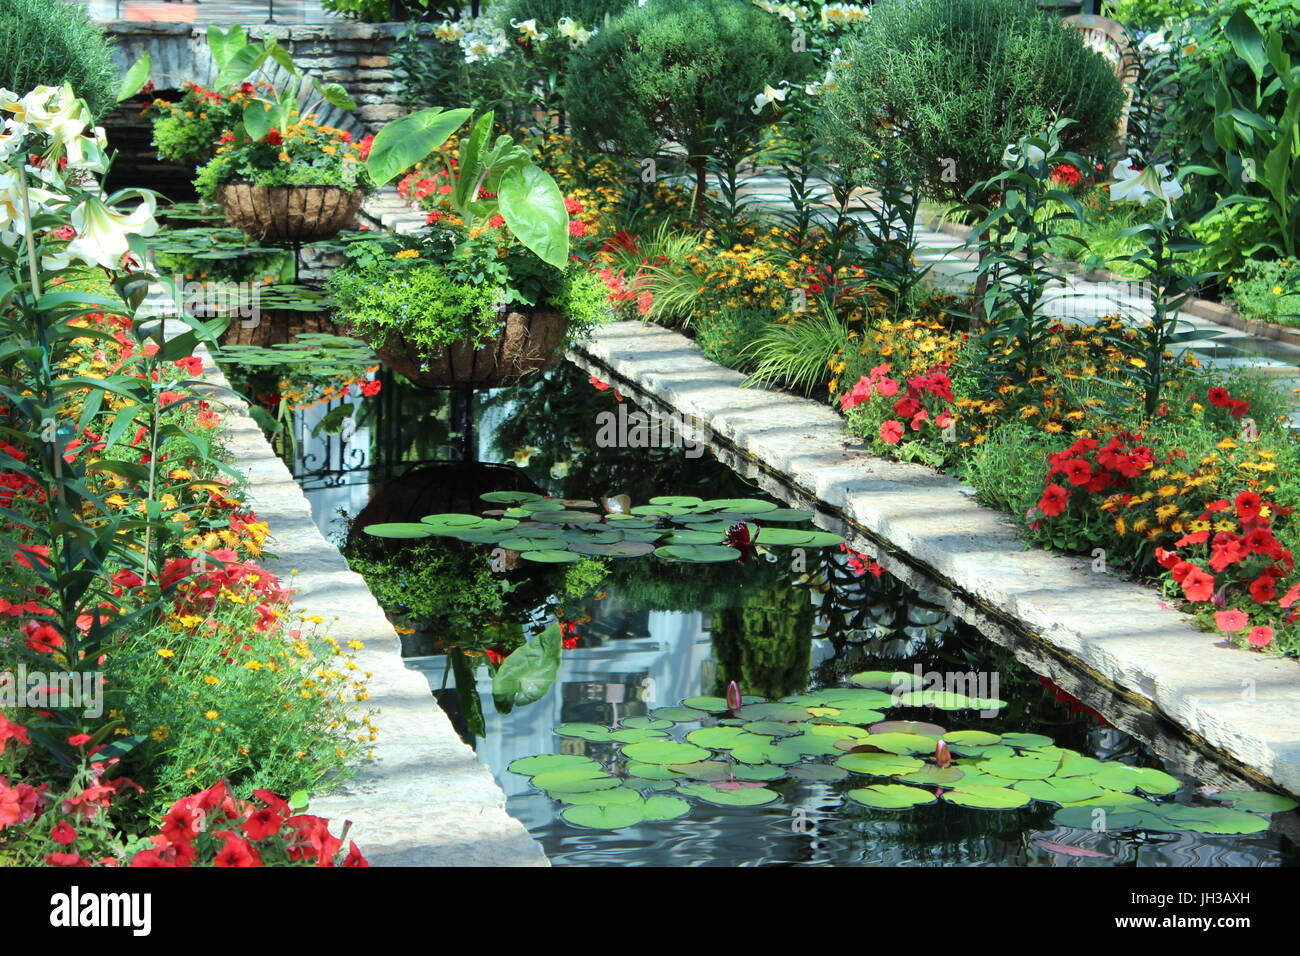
(1215, 312)
(425, 800)
(1241, 704)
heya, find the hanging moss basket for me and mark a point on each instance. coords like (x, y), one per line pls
(289, 213)
(529, 342)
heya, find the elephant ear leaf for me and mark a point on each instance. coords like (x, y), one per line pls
(528, 673)
(405, 141)
(533, 208)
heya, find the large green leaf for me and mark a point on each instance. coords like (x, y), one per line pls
(891, 796)
(529, 672)
(136, 77)
(407, 140)
(533, 207)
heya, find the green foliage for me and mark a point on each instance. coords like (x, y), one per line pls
(583, 299)
(1007, 470)
(1269, 290)
(726, 337)
(590, 13)
(206, 717)
(422, 302)
(379, 11)
(683, 71)
(799, 354)
(450, 591)
(49, 44)
(938, 89)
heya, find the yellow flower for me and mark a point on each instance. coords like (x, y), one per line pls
(407, 254)
(165, 653)
(211, 715)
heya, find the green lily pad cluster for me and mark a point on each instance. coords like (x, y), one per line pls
(673, 528)
(710, 751)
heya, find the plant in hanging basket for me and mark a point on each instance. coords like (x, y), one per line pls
(488, 295)
(278, 174)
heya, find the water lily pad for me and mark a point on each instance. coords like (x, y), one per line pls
(510, 497)
(457, 521)
(696, 537)
(593, 732)
(933, 776)
(635, 735)
(772, 728)
(751, 506)
(399, 530)
(619, 549)
(645, 723)
(856, 697)
(787, 514)
(888, 680)
(680, 501)
(724, 738)
(743, 797)
(698, 553)
(564, 516)
(774, 710)
(972, 738)
(678, 714)
(664, 752)
(1118, 776)
(1222, 820)
(945, 700)
(986, 798)
(717, 771)
(661, 807)
(530, 766)
(784, 537)
(574, 780)
(713, 705)
(890, 796)
(1257, 801)
(907, 727)
(626, 796)
(1020, 767)
(1026, 740)
(880, 765)
(613, 817)
(651, 771)
(531, 544)
(901, 743)
(1059, 790)
(1111, 798)
(817, 772)
(551, 557)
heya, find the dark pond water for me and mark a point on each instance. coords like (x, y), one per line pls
(659, 633)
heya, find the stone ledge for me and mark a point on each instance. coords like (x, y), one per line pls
(1112, 627)
(425, 800)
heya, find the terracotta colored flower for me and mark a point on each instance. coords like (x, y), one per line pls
(1260, 636)
(1230, 621)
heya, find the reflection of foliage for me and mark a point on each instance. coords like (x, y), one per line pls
(654, 586)
(764, 643)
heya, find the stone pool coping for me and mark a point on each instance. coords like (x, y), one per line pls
(425, 800)
(1113, 628)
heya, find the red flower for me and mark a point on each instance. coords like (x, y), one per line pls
(577, 228)
(63, 834)
(76, 740)
(891, 432)
(1248, 505)
(1230, 621)
(262, 824)
(65, 859)
(10, 731)
(1263, 589)
(1053, 500)
(1077, 471)
(236, 852)
(371, 387)
(354, 857)
(1218, 397)
(273, 138)
(1198, 585)
(1260, 636)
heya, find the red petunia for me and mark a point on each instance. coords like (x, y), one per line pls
(1248, 505)
(1230, 621)
(891, 432)
(1263, 589)
(1198, 585)
(1260, 636)
(1077, 471)
(1053, 500)
(262, 824)
(1218, 397)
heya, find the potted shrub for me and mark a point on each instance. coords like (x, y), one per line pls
(187, 131)
(488, 295)
(278, 174)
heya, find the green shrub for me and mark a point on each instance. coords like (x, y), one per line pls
(589, 13)
(938, 89)
(49, 44)
(423, 302)
(1269, 290)
(1008, 471)
(725, 337)
(683, 71)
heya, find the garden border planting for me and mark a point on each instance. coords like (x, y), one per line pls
(1242, 705)
(425, 800)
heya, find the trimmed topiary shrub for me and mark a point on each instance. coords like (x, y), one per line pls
(682, 71)
(938, 89)
(49, 44)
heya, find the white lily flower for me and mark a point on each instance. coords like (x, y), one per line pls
(13, 138)
(102, 232)
(1033, 154)
(529, 29)
(12, 220)
(769, 95)
(1154, 182)
(449, 31)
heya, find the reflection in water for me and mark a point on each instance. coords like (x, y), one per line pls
(653, 633)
